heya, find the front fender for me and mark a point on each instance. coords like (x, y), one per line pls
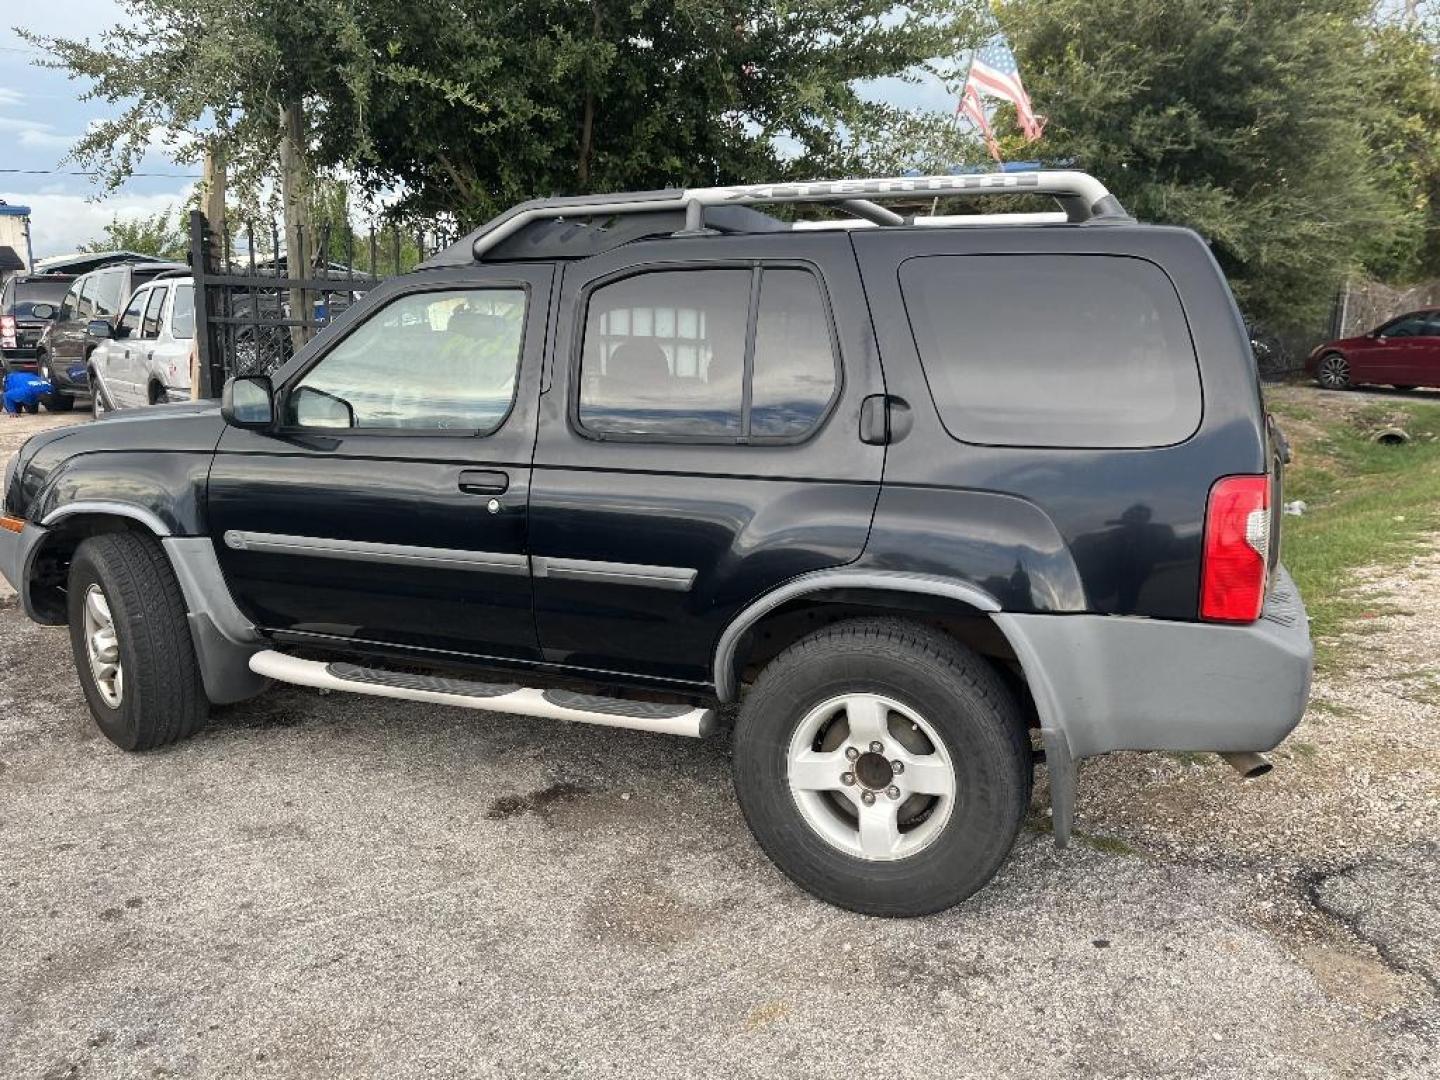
(164, 491)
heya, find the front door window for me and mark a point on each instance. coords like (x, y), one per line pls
(443, 361)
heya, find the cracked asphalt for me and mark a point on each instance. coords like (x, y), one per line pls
(344, 886)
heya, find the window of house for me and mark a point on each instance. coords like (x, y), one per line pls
(445, 360)
(665, 355)
(1053, 350)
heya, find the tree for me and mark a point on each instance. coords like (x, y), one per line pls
(161, 234)
(565, 96)
(1247, 120)
(466, 106)
(1403, 129)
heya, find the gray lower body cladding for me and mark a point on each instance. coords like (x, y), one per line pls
(1121, 683)
(224, 639)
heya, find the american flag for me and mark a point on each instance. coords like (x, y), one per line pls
(994, 73)
(973, 109)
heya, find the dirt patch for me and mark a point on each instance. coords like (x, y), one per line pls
(540, 803)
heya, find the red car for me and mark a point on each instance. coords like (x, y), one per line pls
(1404, 352)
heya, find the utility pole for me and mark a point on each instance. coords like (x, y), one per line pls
(294, 198)
(212, 206)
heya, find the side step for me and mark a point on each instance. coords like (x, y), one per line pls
(667, 719)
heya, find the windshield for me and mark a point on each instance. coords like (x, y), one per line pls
(30, 293)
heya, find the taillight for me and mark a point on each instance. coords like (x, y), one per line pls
(1237, 545)
(7, 331)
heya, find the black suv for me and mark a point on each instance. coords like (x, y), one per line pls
(28, 304)
(64, 351)
(932, 499)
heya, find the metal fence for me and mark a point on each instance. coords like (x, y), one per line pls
(1364, 305)
(253, 311)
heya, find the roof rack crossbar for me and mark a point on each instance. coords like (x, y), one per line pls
(872, 212)
(1082, 196)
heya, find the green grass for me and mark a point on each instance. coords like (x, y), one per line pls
(1367, 505)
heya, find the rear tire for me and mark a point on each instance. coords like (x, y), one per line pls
(126, 611)
(939, 707)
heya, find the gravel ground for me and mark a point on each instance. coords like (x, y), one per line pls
(14, 430)
(343, 886)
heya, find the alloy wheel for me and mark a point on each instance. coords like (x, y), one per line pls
(1334, 373)
(102, 647)
(871, 776)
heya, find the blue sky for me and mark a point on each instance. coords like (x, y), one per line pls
(41, 114)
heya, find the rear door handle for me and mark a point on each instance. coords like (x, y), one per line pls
(483, 482)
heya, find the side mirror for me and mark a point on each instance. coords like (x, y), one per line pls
(43, 311)
(99, 328)
(312, 408)
(248, 401)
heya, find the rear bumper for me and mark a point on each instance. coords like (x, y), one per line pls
(1118, 683)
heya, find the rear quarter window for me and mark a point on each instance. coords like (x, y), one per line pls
(1053, 350)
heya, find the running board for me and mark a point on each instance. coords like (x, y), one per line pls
(668, 719)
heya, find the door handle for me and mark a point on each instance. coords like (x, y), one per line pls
(483, 482)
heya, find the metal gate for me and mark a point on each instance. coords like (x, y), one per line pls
(252, 313)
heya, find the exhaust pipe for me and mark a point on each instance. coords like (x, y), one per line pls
(1248, 765)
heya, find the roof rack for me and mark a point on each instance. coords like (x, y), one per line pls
(1082, 197)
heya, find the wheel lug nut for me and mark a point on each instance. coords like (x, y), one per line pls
(847, 778)
(897, 767)
(876, 747)
(868, 798)
(893, 791)
(851, 753)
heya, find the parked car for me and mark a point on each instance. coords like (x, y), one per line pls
(28, 304)
(63, 352)
(144, 359)
(1404, 352)
(930, 500)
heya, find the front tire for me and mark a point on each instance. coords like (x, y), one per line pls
(131, 642)
(98, 407)
(1333, 372)
(873, 837)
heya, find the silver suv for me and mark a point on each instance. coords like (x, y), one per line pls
(145, 359)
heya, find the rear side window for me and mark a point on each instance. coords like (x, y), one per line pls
(720, 355)
(1053, 350)
(86, 307)
(182, 312)
(106, 292)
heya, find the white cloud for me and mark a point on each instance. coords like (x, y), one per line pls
(50, 140)
(10, 97)
(59, 224)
